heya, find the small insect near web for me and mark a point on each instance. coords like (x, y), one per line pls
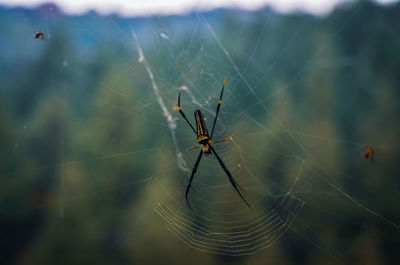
(368, 153)
(205, 141)
(40, 35)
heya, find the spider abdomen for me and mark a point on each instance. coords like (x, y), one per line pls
(201, 126)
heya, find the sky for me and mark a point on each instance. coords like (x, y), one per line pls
(166, 7)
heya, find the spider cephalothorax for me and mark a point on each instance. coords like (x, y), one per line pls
(204, 139)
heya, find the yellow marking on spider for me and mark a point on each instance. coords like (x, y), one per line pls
(199, 131)
(225, 80)
(205, 148)
(202, 138)
(219, 102)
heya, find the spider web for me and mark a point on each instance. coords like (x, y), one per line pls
(221, 224)
(281, 151)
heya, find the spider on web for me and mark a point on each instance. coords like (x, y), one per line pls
(205, 141)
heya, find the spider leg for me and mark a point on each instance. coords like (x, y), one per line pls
(225, 139)
(218, 107)
(188, 150)
(231, 179)
(181, 112)
(192, 148)
(191, 178)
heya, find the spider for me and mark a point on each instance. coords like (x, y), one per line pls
(40, 35)
(205, 141)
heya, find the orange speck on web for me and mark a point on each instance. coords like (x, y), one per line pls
(368, 152)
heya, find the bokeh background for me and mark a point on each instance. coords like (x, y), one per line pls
(82, 130)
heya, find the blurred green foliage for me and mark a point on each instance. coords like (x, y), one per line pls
(79, 121)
